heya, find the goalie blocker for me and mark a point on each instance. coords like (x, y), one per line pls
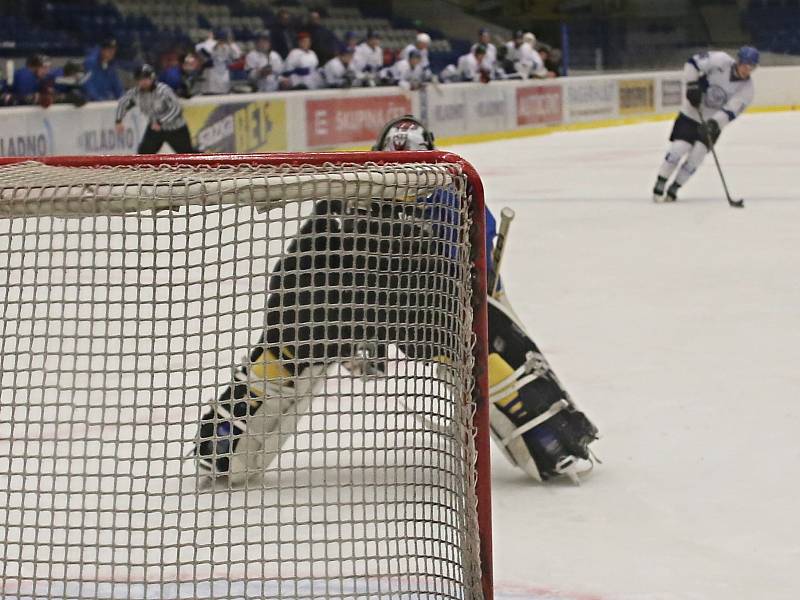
(337, 291)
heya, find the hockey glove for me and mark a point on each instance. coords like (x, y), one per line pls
(709, 132)
(694, 91)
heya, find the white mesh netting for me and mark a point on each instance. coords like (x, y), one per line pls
(330, 304)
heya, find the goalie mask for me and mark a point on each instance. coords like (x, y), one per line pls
(404, 133)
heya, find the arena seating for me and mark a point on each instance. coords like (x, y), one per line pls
(67, 28)
(774, 25)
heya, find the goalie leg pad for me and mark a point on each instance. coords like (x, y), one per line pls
(533, 418)
(246, 427)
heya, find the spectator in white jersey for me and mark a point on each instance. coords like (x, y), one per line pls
(420, 45)
(485, 40)
(264, 65)
(474, 66)
(159, 104)
(300, 68)
(338, 72)
(718, 90)
(368, 58)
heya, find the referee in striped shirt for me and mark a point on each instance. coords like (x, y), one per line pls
(162, 108)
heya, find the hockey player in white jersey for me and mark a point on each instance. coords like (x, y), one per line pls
(475, 66)
(485, 40)
(338, 72)
(718, 89)
(300, 68)
(368, 57)
(409, 74)
(421, 45)
(264, 65)
(533, 419)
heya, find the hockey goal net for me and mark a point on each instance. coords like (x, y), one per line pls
(137, 292)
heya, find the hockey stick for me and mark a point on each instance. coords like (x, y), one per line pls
(506, 216)
(731, 202)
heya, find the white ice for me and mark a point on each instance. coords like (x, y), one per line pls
(677, 329)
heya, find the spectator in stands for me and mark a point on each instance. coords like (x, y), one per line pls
(323, 41)
(485, 40)
(68, 84)
(207, 45)
(225, 52)
(529, 63)
(6, 97)
(409, 73)
(283, 34)
(351, 40)
(300, 68)
(474, 66)
(421, 45)
(31, 82)
(192, 81)
(512, 54)
(159, 104)
(172, 74)
(264, 65)
(551, 58)
(102, 81)
(368, 58)
(338, 72)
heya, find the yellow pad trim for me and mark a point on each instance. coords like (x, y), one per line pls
(499, 370)
(269, 368)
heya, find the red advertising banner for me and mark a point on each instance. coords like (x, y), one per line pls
(539, 105)
(337, 121)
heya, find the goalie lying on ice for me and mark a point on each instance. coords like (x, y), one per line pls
(378, 278)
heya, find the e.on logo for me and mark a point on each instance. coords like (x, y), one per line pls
(539, 105)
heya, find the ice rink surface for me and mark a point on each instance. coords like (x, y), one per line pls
(677, 329)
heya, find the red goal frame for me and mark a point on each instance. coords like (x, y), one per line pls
(477, 235)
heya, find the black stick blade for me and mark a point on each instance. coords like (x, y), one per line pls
(736, 203)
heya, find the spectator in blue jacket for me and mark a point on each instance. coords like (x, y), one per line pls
(172, 76)
(102, 81)
(30, 80)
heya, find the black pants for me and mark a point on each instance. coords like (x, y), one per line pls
(686, 130)
(180, 139)
(353, 278)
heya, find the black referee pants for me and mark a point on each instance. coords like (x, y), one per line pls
(179, 139)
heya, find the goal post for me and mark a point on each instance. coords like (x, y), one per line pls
(136, 290)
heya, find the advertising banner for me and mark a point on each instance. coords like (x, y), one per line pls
(671, 93)
(463, 109)
(68, 130)
(590, 100)
(540, 105)
(351, 120)
(256, 126)
(636, 96)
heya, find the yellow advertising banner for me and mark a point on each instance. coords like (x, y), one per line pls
(637, 96)
(257, 126)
